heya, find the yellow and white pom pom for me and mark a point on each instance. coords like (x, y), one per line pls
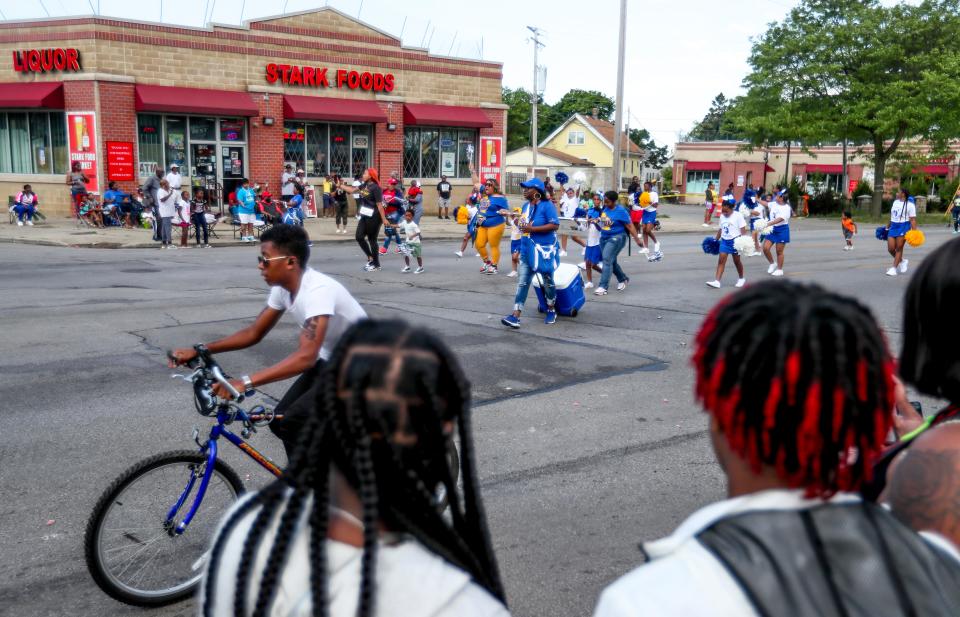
(745, 246)
(915, 237)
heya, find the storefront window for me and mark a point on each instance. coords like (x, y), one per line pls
(58, 134)
(233, 129)
(821, 183)
(697, 181)
(294, 135)
(340, 150)
(203, 129)
(150, 137)
(4, 144)
(20, 144)
(176, 141)
(40, 143)
(430, 152)
(317, 146)
(361, 148)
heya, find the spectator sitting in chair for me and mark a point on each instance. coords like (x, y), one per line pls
(91, 211)
(269, 209)
(113, 200)
(25, 205)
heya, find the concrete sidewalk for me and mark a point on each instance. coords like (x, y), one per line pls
(65, 232)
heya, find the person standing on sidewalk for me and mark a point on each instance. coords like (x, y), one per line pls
(443, 198)
(340, 204)
(150, 189)
(175, 180)
(77, 180)
(415, 201)
(246, 210)
(709, 196)
(167, 207)
(198, 212)
(286, 183)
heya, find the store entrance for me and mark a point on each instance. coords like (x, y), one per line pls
(232, 168)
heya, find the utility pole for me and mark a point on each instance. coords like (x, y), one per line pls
(535, 96)
(618, 123)
(627, 131)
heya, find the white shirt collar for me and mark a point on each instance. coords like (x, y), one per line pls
(774, 499)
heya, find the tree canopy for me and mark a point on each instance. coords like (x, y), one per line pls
(716, 125)
(856, 70)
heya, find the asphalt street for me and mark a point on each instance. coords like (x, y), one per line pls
(588, 438)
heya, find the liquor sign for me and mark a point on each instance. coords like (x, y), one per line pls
(491, 159)
(82, 145)
(120, 160)
(46, 60)
(318, 77)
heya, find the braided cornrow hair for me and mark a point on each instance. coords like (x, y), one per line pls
(798, 379)
(385, 383)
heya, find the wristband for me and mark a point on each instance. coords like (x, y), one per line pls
(247, 384)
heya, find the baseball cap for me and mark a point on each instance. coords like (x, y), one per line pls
(174, 166)
(534, 183)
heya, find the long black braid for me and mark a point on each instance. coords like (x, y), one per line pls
(385, 380)
(800, 380)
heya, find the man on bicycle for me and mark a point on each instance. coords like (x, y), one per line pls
(323, 308)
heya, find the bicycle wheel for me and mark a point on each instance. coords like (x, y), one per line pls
(132, 554)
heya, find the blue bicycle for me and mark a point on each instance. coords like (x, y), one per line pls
(147, 541)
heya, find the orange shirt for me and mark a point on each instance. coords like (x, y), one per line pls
(849, 225)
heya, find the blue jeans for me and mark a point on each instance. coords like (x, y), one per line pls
(22, 210)
(524, 276)
(611, 247)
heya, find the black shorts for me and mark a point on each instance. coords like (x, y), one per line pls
(296, 406)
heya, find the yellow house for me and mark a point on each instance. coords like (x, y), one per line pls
(590, 138)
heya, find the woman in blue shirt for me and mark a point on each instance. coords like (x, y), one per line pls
(491, 226)
(614, 223)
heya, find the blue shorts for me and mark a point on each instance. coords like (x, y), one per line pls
(649, 218)
(594, 255)
(898, 230)
(515, 246)
(779, 235)
(726, 246)
(752, 223)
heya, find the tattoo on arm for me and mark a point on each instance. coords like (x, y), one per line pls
(924, 492)
(310, 328)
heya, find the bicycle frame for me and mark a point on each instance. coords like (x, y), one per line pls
(210, 449)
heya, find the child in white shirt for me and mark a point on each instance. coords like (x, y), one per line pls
(411, 243)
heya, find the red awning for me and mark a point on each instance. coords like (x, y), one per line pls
(32, 94)
(195, 101)
(445, 115)
(767, 168)
(824, 169)
(937, 170)
(702, 166)
(327, 108)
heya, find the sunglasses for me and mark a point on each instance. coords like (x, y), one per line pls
(261, 260)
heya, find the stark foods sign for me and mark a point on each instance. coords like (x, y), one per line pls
(317, 77)
(46, 60)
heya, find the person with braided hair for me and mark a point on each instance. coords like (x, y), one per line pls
(355, 528)
(799, 388)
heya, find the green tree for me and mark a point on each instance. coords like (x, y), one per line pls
(656, 156)
(518, 118)
(578, 102)
(716, 124)
(857, 70)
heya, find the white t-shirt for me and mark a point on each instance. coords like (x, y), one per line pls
(286, 183)
(410, 229)
(780, 211)
(654, 200)
(320, 295)
(593, 232)
(175, 181)
(166, 203)
(568, 206)
(410, 581)
(902, 213)
(730, 226)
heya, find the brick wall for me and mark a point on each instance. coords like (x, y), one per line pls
(265, 145)
(118, 122)
(388, 153)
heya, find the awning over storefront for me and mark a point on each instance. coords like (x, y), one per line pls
(445, 115)
(702, 166)
(195, 101)
(331, 109)
(937, 170)
(768, 169)
(824, 169)
(34, 94)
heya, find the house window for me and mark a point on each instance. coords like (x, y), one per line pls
(575, 138)
(432, 152)
(697, 181)
(33, 142)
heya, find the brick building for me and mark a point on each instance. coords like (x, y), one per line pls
(317, 89)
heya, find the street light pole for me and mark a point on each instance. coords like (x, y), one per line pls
(534, 96)
(618, 120)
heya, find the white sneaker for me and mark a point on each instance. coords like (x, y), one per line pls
(714, 284)
(419, 270)
(458, 254)
(644, 251)
(772, 268)
(30, 223)
(405, 269)
(476, 254)
(600, 292)
(705, 225)
(891, 271)
(512, 274)
(19, 223)
(656, 247)
(622, 286)
(588, 285)
(903, 266)
(741, 282)
(846, 248)
(851, 247)
(563, 253)
(171, 248)
(777, 273)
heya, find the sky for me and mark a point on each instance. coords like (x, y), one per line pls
(679, 53)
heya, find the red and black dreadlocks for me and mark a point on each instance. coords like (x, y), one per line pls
(384, 379)
(798, 379)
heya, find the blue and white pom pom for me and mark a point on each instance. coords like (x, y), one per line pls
(882, 233)
(710, 246)
(561, 178)
(745, 246)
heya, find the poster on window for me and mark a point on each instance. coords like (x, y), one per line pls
(120, 160)
(82, 143)
(491, 159)
(448, 163)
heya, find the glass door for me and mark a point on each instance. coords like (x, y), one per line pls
(232, 168)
